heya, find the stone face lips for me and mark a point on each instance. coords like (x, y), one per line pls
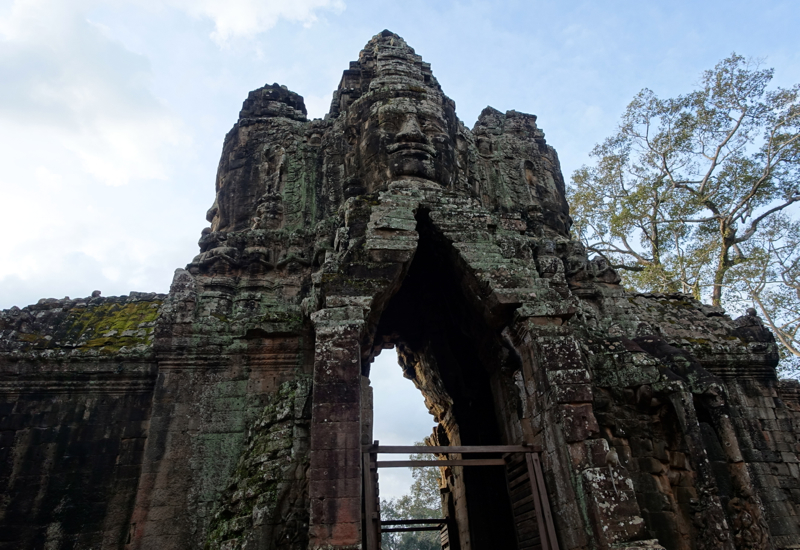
(232, 412)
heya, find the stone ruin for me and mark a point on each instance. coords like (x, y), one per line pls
(234, 411)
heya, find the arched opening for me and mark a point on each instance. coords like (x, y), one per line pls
(457, 361)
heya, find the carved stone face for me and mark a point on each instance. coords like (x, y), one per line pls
(404, 137)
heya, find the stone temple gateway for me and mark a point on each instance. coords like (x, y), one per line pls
(235, 411)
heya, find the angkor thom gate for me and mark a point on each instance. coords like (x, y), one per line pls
(235, 412)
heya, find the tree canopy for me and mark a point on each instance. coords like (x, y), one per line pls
(697, 194)
(423, 502)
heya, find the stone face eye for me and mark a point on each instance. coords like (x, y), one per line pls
(432, 126)
(389, 124)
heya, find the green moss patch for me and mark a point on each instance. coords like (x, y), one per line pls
(111, 326)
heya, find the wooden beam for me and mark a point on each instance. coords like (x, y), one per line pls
(370, 497)
(393, 449)
(437, 463)
(548, 517)
(415, 521)
(404, 529)
(537, 502)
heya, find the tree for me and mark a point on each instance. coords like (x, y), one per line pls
(423, 502)
(770, 282)
(684, 196)
(685, 182)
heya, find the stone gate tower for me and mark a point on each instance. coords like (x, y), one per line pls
(234, 411)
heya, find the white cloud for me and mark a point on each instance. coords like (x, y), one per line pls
(248, 17)
(80, 121)
(68, 86)
(71, 236)
(396, 398)
(49, 179)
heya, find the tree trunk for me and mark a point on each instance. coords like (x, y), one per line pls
(719, 275)
(728, 238)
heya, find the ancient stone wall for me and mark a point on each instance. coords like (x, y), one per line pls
(224, 347)
(233, 412)
(76, 382)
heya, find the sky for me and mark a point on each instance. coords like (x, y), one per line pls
(400, 418)
(113, 112)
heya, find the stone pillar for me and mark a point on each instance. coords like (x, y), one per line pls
(558, 386)
(335, 470)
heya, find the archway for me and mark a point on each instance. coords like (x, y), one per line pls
(455, 358)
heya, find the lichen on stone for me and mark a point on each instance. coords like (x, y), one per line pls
(267, 494)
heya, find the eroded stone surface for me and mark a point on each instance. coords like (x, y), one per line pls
(76, 382)
(231, 413)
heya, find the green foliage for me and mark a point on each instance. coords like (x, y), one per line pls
(770, 282)
(689, 190)
(423, 502)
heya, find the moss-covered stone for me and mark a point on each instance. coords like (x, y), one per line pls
(105, 326)
(268, 489)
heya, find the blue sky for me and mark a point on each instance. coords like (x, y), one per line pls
(112, 113)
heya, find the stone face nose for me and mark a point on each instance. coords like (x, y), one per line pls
(411, 131)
